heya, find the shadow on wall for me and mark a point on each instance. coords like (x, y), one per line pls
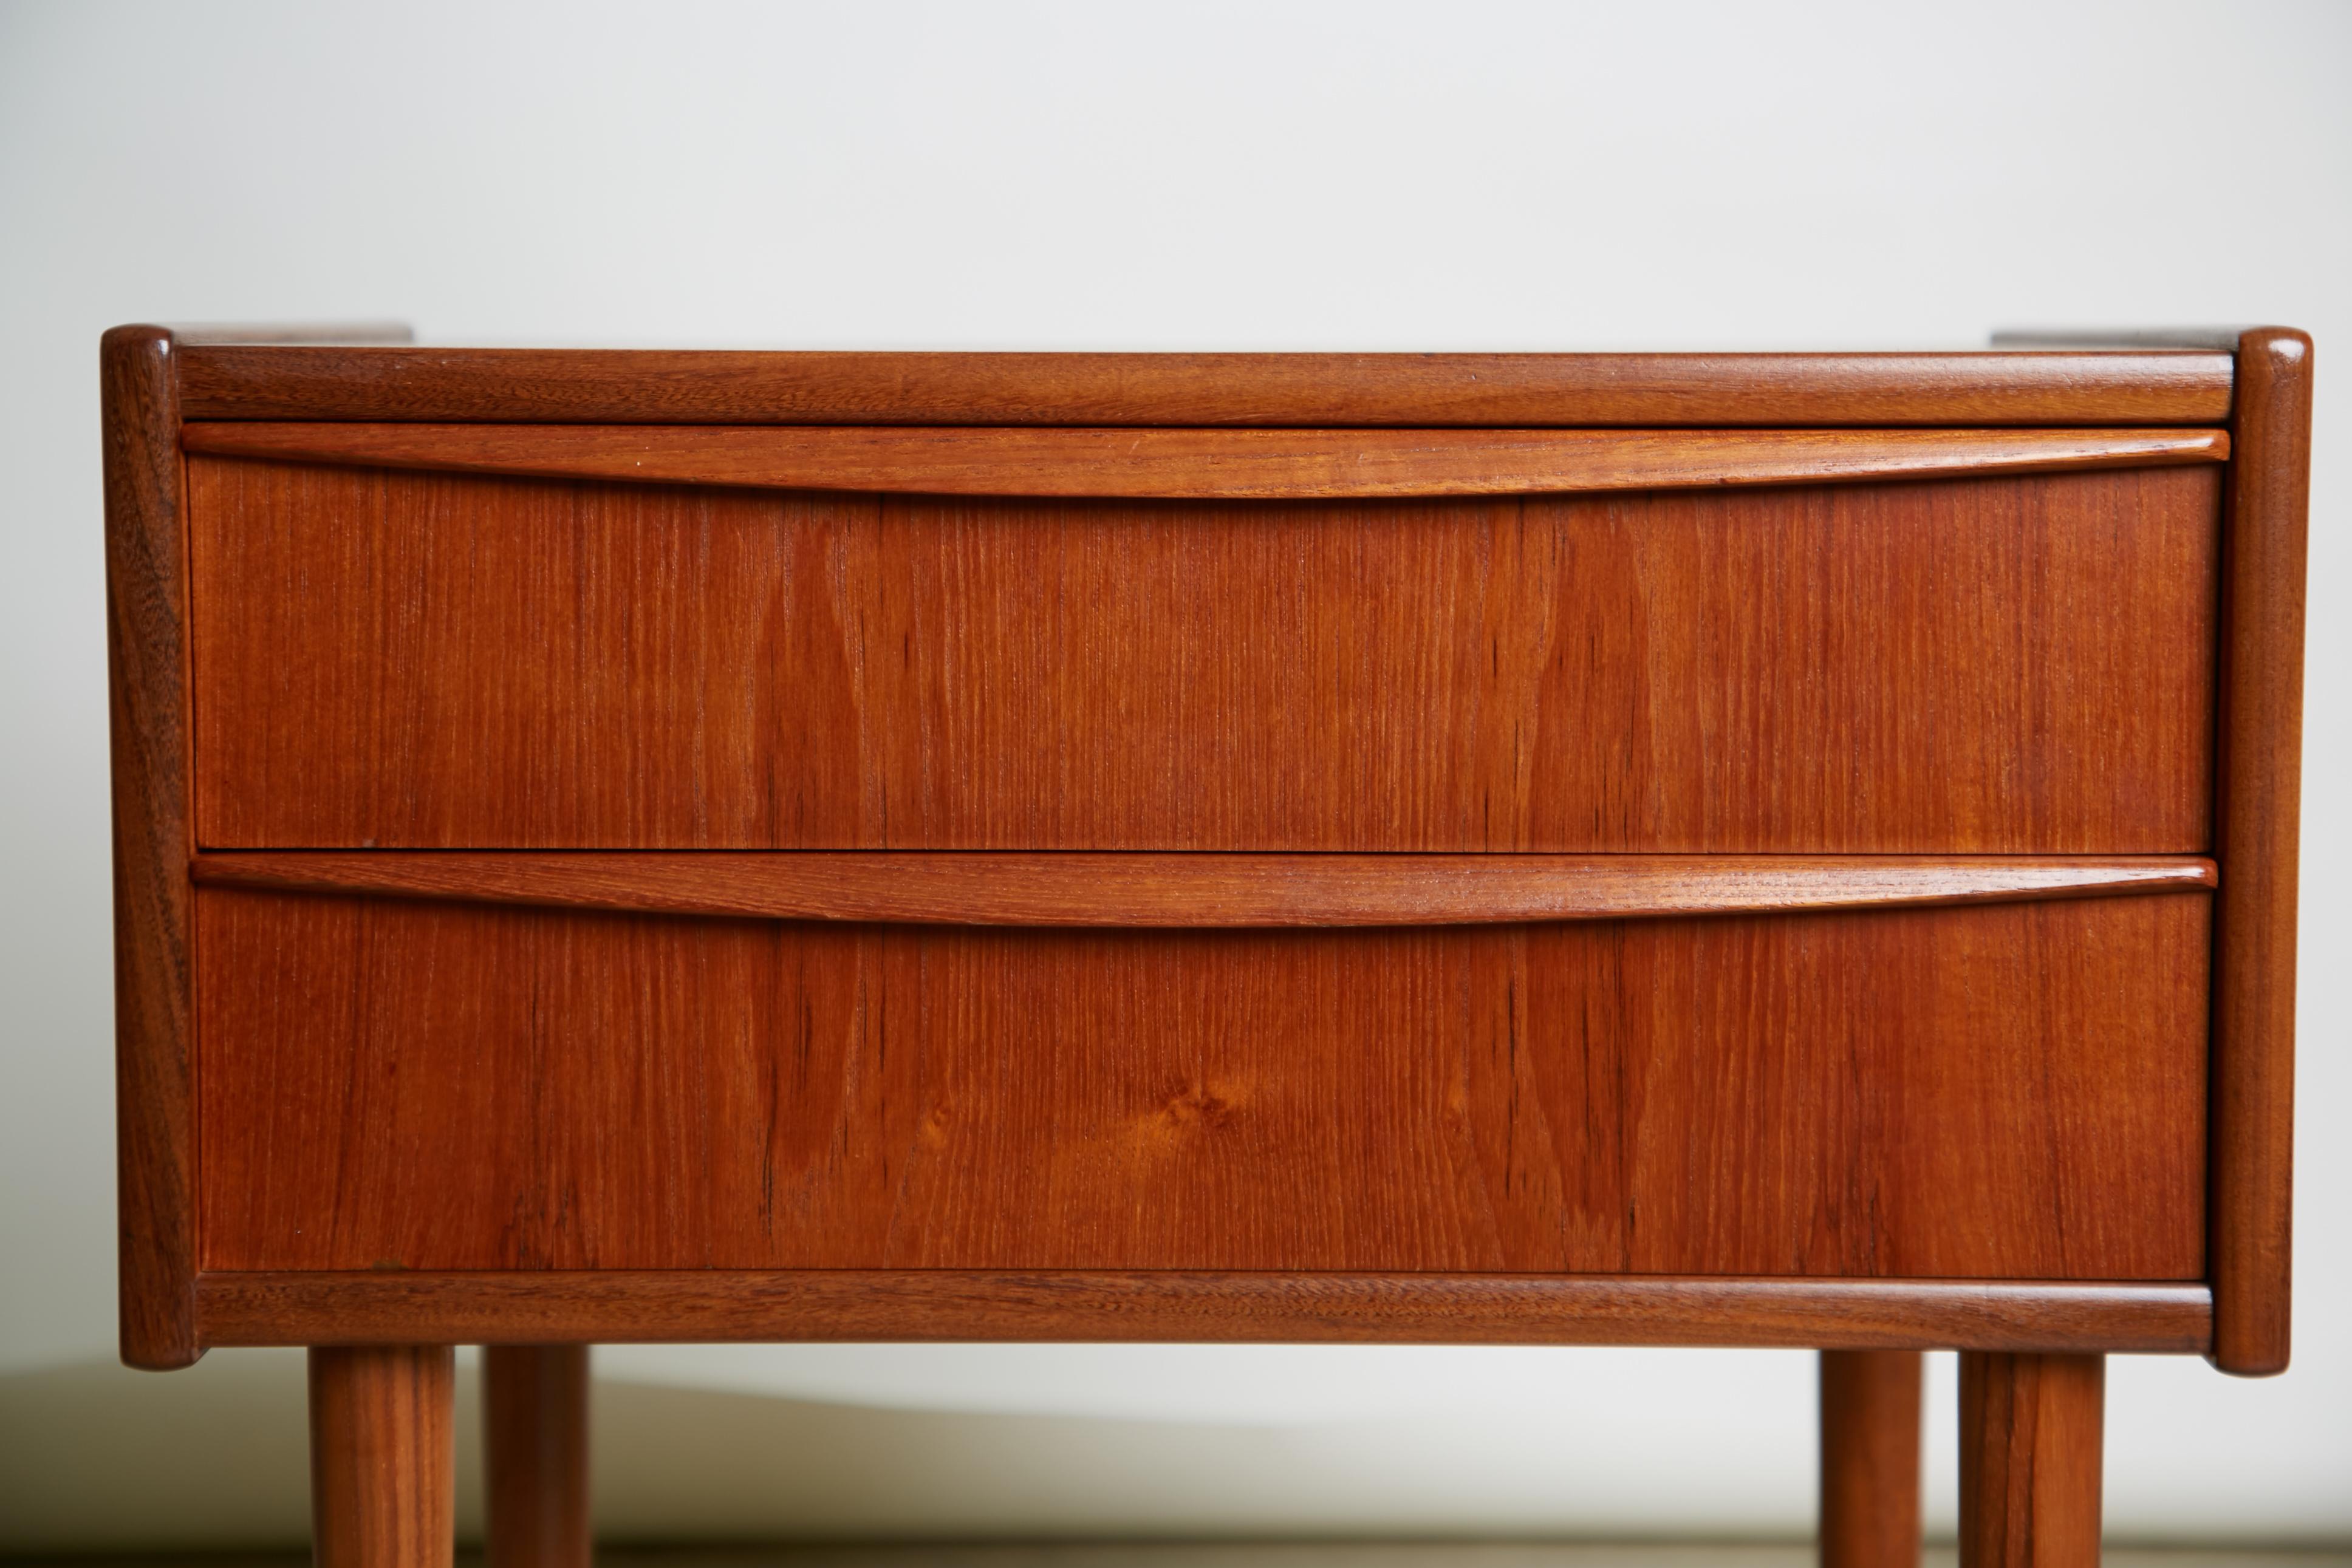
(95, 1458)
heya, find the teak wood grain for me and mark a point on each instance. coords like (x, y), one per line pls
(2259, 812)
(709, 1305)
(147, 678)
(2101, 664)
(508, 385)
(535, 1456)
(1993, 1091)
(1202, 464)
(382, 1465)
(2006, 666)
(1074, 888)
(1870, 1458)
(2031, 1429)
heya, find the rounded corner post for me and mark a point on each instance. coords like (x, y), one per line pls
(146, 614)
(2258, 802)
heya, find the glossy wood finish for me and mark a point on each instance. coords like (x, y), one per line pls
(1996, 1091)
(529, 385)
(2031, 1431)
(1870, 1458)
(147, 651)
(535, 1455)
(1204, 464)
(1195, 891)
(718, 1305)
(2261, 800)
(429, 661)
(1754, 627)
(382, 1456)
(1695, 1074)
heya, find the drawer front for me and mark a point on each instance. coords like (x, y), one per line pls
(2003, 665)
(2011, 1090)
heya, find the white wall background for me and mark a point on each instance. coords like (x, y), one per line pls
(1339, 175)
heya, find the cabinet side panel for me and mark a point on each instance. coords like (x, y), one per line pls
(416, 660)
(2002, 1091)
(146, 619)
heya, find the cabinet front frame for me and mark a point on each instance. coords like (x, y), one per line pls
(170, 1312)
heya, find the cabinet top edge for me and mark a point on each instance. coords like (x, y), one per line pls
(224, 379)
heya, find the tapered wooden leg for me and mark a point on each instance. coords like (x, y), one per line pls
(2030, 1432)
(1870, 1458)
(383, 1460)
(535, 1437)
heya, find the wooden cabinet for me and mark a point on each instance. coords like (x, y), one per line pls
(1728, 850)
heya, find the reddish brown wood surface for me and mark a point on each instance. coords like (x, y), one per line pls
(535, 1456)
(383, 1470)
(1204, 464)
(1870, 1458)
(1492, 390)
(435, 661)
(2007, 1090)
(1994, 666)
(146, 642)
(2031, 1429)
(2260, 799)
(718, 1305)
(1194, 891)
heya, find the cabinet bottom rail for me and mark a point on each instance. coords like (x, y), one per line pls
(546, 1307)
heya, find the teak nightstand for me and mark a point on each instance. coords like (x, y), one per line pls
(1731, 849)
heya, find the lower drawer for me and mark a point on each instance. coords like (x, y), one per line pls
(2009, 1090)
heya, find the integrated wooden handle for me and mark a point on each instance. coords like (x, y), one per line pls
(1204, 464)
(1193, 890)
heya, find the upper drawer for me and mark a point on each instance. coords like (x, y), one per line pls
(2018, 664)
